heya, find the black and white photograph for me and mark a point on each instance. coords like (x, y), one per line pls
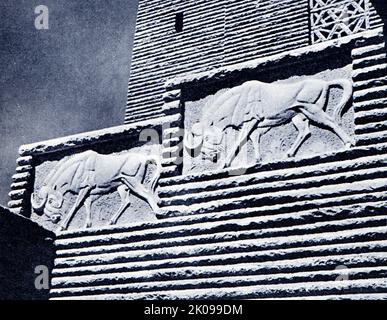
(193, 150)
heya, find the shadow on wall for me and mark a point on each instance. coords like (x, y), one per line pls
(24, 246)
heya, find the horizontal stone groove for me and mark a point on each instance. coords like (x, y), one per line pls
(309, 197)
(368, 50)
(235, 59)
(317, 171)
(370, 72)
(299, 277)
(171, 69)
(371, 116)
(211, 35)
(131, 121)
(145, 115)
(282, 206)
(165, 13)
(168, 55)
(260, 291)
(272, 188)
(152, 11)
(139, 86)
(195, 61)
(200, 18)
(141, 108)
(367, 84)
(372, 138)
(254, 266)
(243, 230)
(370, 128)
(370, 105)
(217, 223)
(371, 93)
(338, 156)
(157, 111)
(267, 44)
(149, 110)
(145, 99)
(150, 7)
(136, 118)
(293, 246)
(369, 61)
(168, 58)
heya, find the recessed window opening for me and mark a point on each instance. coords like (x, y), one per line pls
(179, 22)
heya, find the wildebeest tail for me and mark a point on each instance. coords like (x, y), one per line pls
(347, 87)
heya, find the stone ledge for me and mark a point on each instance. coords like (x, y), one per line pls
(261, 62)
(92, 137)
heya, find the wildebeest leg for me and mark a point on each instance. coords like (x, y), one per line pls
(256, 139)
(316, 114)
(88, 202)
(78, 203)
(140, 190)
(242, 139)
(124, 193)
(302, 125)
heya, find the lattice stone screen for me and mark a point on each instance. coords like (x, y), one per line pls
(332, 19)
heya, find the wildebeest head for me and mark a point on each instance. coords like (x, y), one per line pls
(48, 202)
(205, 140)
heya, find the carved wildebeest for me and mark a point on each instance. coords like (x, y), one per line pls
(90, 175)
(255, 107)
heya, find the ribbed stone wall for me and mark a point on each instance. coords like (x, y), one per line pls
(216, 33)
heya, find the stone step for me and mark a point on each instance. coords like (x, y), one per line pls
(370, 104)
(294, 163)
(369, 50)
(261, 189)
(367, 73)
(317, 171)
(195, 227)
(371, 83)
(372, 60)
(255, 291)
(370, 128)
(306, 198)
(244, 230)
(319, 259)
(369, 94)
(372, 138)
(285, 245)
(235, 281)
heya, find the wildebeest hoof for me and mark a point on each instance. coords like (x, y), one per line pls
(350, 144)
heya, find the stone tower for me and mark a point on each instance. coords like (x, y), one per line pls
(220, 33)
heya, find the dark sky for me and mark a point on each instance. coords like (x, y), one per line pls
(69, 79)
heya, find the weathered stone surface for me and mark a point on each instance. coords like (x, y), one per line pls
(309, 226)
(90, 138)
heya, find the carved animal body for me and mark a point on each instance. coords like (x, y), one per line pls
(255, 107)
(91, 175)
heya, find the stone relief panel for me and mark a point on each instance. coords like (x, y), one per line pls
(265, 122)
(92, 190)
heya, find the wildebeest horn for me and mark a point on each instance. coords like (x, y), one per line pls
(193, 140)
(43, 195)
